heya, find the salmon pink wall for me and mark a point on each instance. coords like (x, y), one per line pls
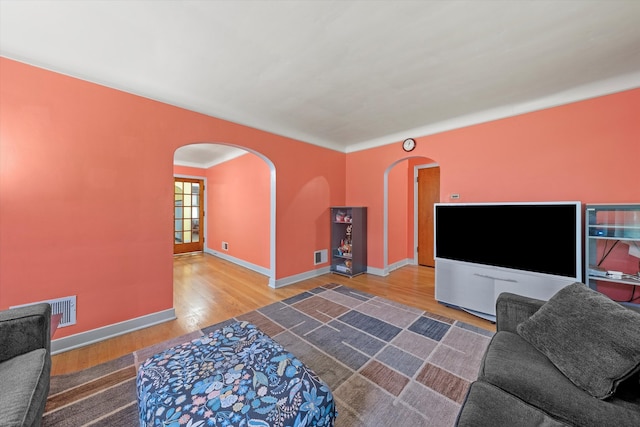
(86, 194)
(366, 190)
(586, 151)
(83, 209)
(398, 213)
(189, 171)
(238, 206)
(303, 201)
(248, 189)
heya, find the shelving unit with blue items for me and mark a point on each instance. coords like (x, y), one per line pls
(612, 250)
(348, 240)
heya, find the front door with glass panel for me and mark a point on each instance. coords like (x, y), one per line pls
(188, 213)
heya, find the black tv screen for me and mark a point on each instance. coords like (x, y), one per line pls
(536, 237)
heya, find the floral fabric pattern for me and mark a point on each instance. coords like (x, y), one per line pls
(235, 376)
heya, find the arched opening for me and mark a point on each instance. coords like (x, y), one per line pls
(240, 194)
(400, 215)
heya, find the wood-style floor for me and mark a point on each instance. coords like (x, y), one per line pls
(208, 290)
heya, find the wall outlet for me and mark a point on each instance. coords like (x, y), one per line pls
(225, 246)
(454, 196)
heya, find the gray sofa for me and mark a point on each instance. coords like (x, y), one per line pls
(25, 364)
(573, 361)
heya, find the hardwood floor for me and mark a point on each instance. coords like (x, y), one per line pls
(208, 290)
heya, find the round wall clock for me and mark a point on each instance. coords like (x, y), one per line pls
(409, 144)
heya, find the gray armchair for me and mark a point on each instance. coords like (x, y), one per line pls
(25, 364)
(518, 385)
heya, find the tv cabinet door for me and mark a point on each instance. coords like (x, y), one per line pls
(462, 286)
(529, 285)
(475, 288)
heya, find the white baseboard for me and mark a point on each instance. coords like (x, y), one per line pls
(377, 271)
(286, 281)
(238, 261)
(325, 270)
(95, 335)
(385, 271)
(272, 283)
(399, 264)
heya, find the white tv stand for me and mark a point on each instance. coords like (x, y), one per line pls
(475, 287)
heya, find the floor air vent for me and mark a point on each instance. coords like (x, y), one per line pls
(65, 306)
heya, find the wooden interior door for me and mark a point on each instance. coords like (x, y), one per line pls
(428, 194)
(188, 215)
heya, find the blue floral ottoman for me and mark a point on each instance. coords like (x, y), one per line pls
(235, 376)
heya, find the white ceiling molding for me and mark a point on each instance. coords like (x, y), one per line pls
(343, 74)
(593, 90)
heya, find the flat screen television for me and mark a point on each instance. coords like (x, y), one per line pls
(536, 237)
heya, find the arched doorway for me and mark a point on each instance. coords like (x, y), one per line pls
(226, 205)
(403, 207)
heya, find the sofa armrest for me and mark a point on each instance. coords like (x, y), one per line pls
(512, 309)
(24, 329)
(632, 307)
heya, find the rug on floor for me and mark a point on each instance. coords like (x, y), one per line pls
(387, 364)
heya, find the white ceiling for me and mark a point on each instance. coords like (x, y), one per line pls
(343, 74)
(205, 155)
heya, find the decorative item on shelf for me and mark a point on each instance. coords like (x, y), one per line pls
(348, 240)
(601, 231)
(612, 250)
(345, 248)
(342, 268)
(345, 244)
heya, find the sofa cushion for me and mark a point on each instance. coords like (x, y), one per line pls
(514, 365)
(489, 406)
(593, 340)
(25, 385)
